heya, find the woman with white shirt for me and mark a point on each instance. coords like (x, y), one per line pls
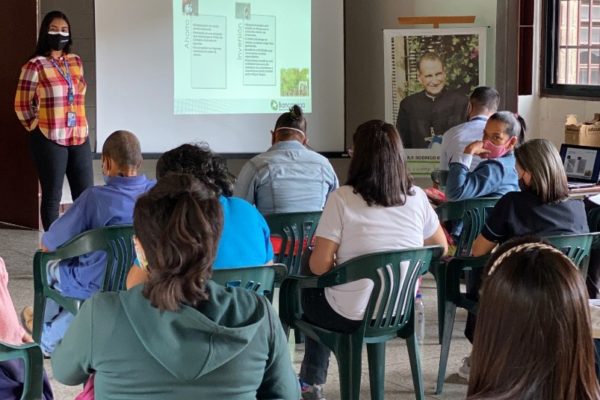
(379, 209)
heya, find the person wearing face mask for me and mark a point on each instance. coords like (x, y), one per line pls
(50, 103)
(496, 174)
(98, 206)
(541, 208)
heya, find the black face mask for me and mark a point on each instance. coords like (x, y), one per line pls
(57, 41)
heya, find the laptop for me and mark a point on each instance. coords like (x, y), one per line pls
(582, 165)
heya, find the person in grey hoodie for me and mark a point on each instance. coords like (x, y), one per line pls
(179, 335)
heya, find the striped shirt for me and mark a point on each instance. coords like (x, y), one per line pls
(42, 99)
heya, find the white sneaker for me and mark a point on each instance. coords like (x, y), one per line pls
(465, 368)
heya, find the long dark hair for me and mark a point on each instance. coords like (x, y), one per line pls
(378, 165)
(533, 338)
(198, 160)
(178, 223)
(43, 47)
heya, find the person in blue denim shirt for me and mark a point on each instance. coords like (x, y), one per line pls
(496, 175)
(288, 177)
(98, 206)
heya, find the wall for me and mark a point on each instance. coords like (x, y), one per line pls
(364, 47)
(544, 115)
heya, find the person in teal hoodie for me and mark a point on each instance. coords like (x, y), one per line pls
(179, 335)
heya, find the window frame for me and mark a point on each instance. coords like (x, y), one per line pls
(550, 37)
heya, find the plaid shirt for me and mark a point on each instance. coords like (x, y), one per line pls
(42, 99)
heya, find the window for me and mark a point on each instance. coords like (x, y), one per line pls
(572, 48)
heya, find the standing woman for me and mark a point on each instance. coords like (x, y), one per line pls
(50, 104)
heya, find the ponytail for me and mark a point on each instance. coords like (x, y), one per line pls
(178, 223)
(515, 124)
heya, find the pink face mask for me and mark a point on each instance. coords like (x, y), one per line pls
(495, 151)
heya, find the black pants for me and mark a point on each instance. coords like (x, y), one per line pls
(52, 162)
(317, 311)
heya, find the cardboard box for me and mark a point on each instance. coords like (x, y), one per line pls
(586, 134)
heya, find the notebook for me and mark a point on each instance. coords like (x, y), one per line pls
(582, 165)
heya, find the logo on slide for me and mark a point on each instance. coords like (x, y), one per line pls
(274, 105)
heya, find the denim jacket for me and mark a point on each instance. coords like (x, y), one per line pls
(286, 178)
(493, 177)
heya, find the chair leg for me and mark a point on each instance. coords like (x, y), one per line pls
(415, 366)
(376, 356)
(348, 354)
(447, 338)
(441, 299)
(39, 308)
(298, 336)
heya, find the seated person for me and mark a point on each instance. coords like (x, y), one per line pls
(379, 209)
(534, 337)
(495, 175)
(483, 102)
(98, 206)
(245, 240)
(542, 207)
(179, 335)
(11, 332)
(288, 177)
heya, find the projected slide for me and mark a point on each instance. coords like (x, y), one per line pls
(241, 57)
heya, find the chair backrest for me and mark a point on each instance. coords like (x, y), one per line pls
(114, 241)
(473, 213)
(394, 275)
(260, 279)
(296, 231)
(577, 247)
(31, 354)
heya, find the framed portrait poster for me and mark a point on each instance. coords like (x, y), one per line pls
(429, 74)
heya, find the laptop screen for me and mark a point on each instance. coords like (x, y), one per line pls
(582, 163)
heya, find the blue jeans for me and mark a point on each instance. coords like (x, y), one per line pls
(317, 311)
(56, 320)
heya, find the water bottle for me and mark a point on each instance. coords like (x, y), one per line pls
(420, 319)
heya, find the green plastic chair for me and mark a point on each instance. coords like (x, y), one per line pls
(260, 279)
(115, 241)
(296, 231)
(453, 298)
(394, 316)
(472, 213)
(577, 247)
(31, 354)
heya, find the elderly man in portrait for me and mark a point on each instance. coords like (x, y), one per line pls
(431, 112)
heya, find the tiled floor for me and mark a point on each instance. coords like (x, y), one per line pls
(17, 248)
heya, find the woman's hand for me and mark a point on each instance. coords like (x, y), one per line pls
(475, 148)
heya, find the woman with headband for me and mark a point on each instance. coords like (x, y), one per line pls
(533, 339)
(542, 207)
